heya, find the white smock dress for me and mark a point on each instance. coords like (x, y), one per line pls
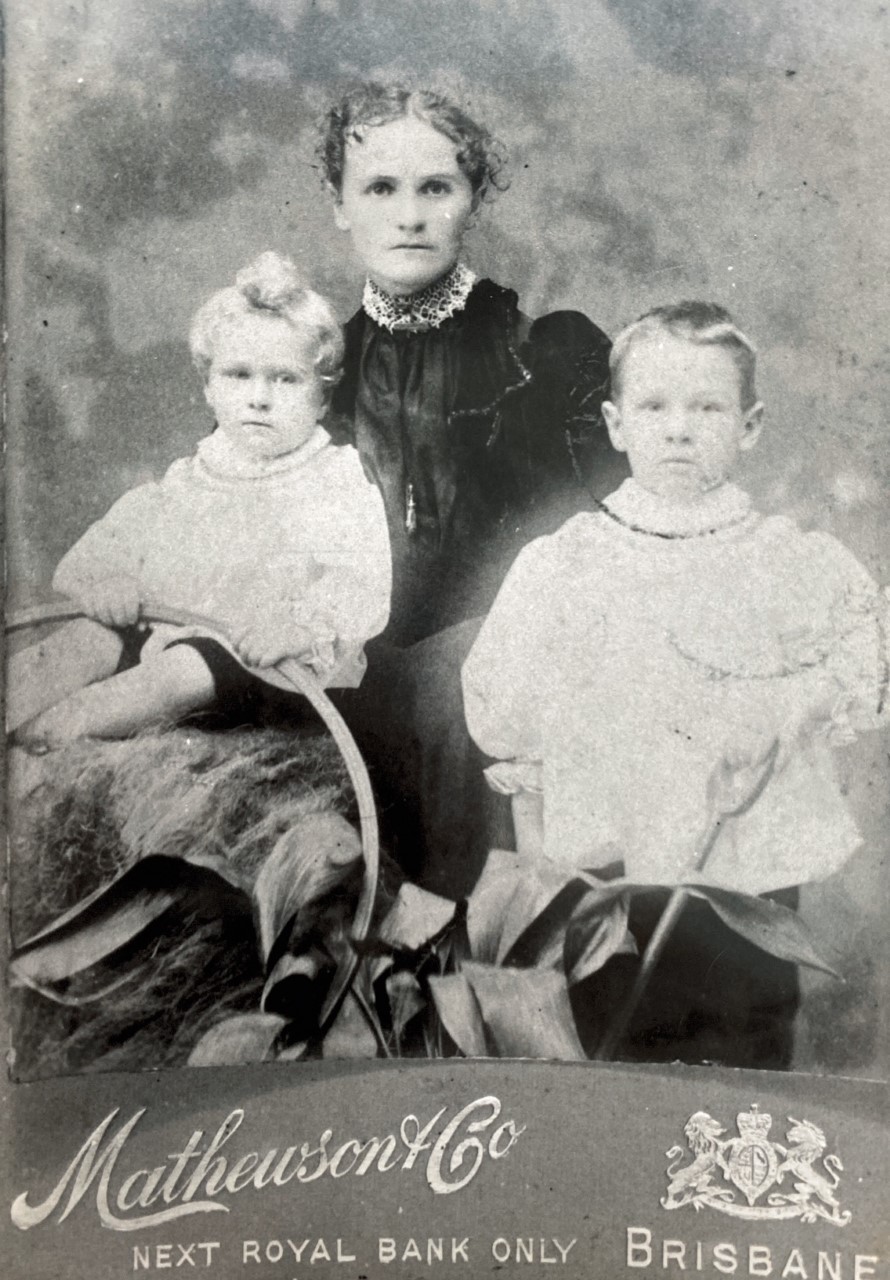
(302, 537)
(637, 649)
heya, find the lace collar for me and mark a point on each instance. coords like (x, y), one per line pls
(643, 512)
(427, 309)
(218, 459)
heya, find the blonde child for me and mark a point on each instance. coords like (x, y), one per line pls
(268, 529)
(633, 651)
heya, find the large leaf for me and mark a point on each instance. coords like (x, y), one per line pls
(576, 932)
(93, 994)
(292, 1052)
(511, 894)
(412, 927)
(248, 1037)
(350, 1035)
(765, 923)
(526, 1012)
(294, 988)
(608, 890)
(217, 863)
(118, 913)
(406, 1000)
(597, 931)
(308, 864)
(415, 918)
(460, 1013)
(769, 925)
(542, 943)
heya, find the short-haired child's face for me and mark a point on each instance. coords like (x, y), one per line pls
(406, 203)
(679, 417)
(263, 388)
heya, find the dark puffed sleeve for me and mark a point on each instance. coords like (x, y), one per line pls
(570, 457)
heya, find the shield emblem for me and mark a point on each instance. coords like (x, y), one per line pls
(752, 1166)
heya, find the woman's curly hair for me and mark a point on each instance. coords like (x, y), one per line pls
(480, 155)
(271, 285)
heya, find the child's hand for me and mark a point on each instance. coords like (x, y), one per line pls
(266, 646)
(813, 717)
(115, 602)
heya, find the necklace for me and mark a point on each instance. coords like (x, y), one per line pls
(638, 511)
(669, 537)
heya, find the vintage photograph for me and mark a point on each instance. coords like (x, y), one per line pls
(447, 615)
(612, 610)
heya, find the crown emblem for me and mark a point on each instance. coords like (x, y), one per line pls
(754, 1125)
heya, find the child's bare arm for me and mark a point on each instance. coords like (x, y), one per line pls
(103, 571)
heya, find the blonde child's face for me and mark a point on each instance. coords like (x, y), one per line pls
(679, 418)
(406, 203)
(263, 388)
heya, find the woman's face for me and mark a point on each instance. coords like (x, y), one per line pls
(406, 203)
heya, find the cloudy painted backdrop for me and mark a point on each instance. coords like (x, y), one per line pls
(729, 149)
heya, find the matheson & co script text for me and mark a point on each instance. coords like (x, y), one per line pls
(452, 1152)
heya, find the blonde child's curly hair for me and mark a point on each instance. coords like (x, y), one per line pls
(270, 285)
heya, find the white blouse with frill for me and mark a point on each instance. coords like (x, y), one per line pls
(238, 540)
(632, 652)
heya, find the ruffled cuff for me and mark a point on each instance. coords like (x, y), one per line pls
(511, 777)
(324, 650)
(859, 663)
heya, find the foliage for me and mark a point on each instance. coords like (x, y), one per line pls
(132, 871)
(490, 976)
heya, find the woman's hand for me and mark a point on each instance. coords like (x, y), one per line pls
(267, 645)
(115, 602)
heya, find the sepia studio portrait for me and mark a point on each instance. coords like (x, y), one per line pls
(446, 558)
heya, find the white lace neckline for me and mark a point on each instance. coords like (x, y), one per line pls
(643, 512)
(427, 309)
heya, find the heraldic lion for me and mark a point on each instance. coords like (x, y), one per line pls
(688, 1183)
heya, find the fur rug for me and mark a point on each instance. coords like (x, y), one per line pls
(80, 816)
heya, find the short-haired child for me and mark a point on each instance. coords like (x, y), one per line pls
(632, 651)
(268, 529)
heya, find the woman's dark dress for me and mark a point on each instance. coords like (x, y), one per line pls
(481, 434)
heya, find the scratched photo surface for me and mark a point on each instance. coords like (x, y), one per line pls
(657, 152)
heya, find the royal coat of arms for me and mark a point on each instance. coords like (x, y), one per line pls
(751, 1169)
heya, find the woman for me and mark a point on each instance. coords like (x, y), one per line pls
(480, 427)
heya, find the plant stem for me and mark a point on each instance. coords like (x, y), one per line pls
(671, 914)
(663, 930)
(371, 1019)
